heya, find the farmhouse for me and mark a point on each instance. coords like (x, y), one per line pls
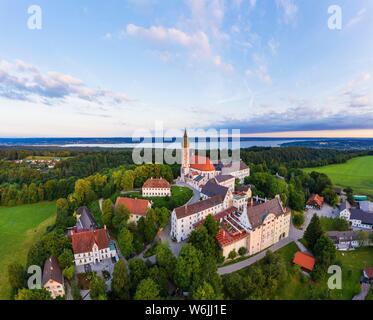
(138, 208)
(315, 202)
(347, 240)
(357, 217)
(156, 188)
(304, 260)
(53, 278)
(92, 247)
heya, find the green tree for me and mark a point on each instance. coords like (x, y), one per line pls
(75, 291)
(296, 198)
(242, 251)
(16, 275)
(66, 258)
(35, 294)
(68, 272)
(165, 258)
(125, 241)
(188, 267)
(147, 290)
(313, 232)
(325, 251)
(120, 284)
(121, 216)
(107, 213)
(204, 292)
(138, 271)
(97, 288)
(232, 255)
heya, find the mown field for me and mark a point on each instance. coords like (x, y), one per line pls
(20, 227)
(356, 173)
(352, 264)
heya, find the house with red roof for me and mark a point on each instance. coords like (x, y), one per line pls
(92, 246)
(304, 260)
(315, 201)
(138, 208)
(156, 188)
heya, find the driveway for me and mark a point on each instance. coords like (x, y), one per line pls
(196, 194)
(325, 211)
(249, 261)
(363, 293)
(165, 236)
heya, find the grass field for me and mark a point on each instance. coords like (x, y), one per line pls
(356, 173)
(298, 287)
(20, 227)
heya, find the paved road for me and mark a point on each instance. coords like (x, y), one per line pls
(248, 262)
(363, 293)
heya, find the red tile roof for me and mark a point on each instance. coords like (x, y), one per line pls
(83, 241)
(156, 183)
(135, 206)
(226, 238)
(304, 260)
(369, 272)
(315, 199)
(202, 163)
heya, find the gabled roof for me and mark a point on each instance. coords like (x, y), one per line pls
(369, 272)
(190, 209)
(52, 271)
(231, 166)
(304, 260)
(211, 188)
(316, 199)
(201, 163)
(84, 241)
(223, 177)
(242, 188)
(135, 206)
(86, 220)
(344, 205)
(156, 183)
(258, 213)
(363, 216)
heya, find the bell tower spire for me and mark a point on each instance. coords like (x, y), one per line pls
(185, 156)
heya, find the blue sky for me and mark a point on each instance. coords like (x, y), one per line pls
(107, 68)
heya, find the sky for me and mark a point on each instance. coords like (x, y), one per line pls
(109, 68)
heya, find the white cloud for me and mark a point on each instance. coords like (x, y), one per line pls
(273, 46)
(357, 18)
(197, 43)
(23, 81)
(252, 3)
(289, 10)
(260, 70)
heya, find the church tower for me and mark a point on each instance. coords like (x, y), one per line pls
(185, 156)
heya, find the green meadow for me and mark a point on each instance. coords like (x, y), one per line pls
(356, 173)
(20, 227)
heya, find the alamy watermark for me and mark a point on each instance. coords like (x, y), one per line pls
(35, 18)
(335, 19)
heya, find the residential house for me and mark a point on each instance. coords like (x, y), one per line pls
(357, 217)
(92, 246)
(212, 189)
(368, 274)
(156, 188)
(347, 240)
(52, 278)
(315, 202)
(237, 169)
(138, 208)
